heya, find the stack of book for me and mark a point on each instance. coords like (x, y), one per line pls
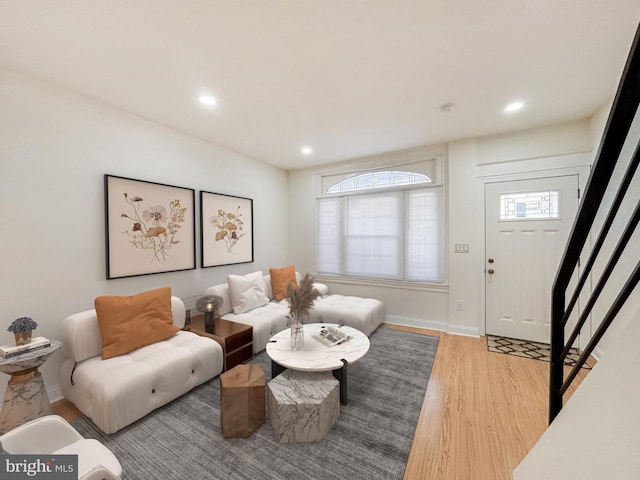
(11, 350)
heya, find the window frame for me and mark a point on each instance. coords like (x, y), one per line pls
(437, 183)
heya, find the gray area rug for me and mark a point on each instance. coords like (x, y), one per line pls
(370, 440)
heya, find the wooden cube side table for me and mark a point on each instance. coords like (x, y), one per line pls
(242, 401)
(236, 339)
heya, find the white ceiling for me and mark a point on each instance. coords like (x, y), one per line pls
(350, 78)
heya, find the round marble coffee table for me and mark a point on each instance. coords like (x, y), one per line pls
(314, 356)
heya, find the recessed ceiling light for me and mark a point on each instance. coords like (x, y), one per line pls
(306, 150)
(512, 107)
(207, 100)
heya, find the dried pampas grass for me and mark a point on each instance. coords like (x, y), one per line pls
(301, 299)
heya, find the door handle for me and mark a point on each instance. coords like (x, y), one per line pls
(490, 271)
(491, 260)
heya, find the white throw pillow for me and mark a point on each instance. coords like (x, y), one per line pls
(250, 299)
(321, 287)
(239, 284)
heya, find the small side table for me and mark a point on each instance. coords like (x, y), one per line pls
(26, 396)
(236, 339)
(303, 406)
(242, 401)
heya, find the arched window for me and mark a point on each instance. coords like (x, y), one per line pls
(381, 224)
(374, 180)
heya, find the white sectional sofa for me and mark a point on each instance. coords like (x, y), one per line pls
(364, 314)
(117, 391)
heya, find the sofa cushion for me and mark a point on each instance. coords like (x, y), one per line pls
(130, 322)
(280, 279)
(221, 290)
(321, 288)
(266, 322)
(80, 332)
(245, 290)
(364, 314)
(118, 391)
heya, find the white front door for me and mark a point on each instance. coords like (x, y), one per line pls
(527, 223)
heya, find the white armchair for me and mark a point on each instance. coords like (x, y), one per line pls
(52, 434)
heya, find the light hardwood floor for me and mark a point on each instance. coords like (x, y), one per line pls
(482, 412)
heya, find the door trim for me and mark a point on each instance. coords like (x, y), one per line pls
(582, 171)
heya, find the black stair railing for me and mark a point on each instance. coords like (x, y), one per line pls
(623, 111)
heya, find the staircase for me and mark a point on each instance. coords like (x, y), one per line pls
(618, 141)
(597, 433)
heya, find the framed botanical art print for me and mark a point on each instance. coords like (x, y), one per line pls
(150, 227)
(226, 229)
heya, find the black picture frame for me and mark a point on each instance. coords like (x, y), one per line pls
(149, 227)
(226, 229)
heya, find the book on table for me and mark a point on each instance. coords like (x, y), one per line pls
(330, 336)
(11, 350)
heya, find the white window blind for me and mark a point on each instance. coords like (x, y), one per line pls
(425, 236)
(374, 235)
(392, 234)
(328, 236)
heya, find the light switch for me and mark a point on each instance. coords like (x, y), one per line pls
(462, 248)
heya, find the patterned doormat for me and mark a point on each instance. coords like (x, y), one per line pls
(527, 349)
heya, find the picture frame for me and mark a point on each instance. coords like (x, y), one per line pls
(226, 229)
(149, 227)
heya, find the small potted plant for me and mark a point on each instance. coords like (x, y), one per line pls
(22, 328)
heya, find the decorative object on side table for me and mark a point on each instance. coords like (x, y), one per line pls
(301, 301)
(22, 328)
(209, 305)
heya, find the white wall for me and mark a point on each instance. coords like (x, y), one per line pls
(465, 216)
(55, 147)
(436, 307)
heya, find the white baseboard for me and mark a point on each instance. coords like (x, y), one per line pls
(54, 393)
(432, 325)
(416, 322)
(597, 353)
(463, 330)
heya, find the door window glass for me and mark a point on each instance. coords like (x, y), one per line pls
(530, 205)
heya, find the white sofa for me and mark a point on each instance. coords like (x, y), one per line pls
(116, 392)
(364, 314)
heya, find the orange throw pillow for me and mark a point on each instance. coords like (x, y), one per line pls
(127, 323)
(280, 278)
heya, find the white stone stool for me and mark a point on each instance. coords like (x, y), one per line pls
(303, 406)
